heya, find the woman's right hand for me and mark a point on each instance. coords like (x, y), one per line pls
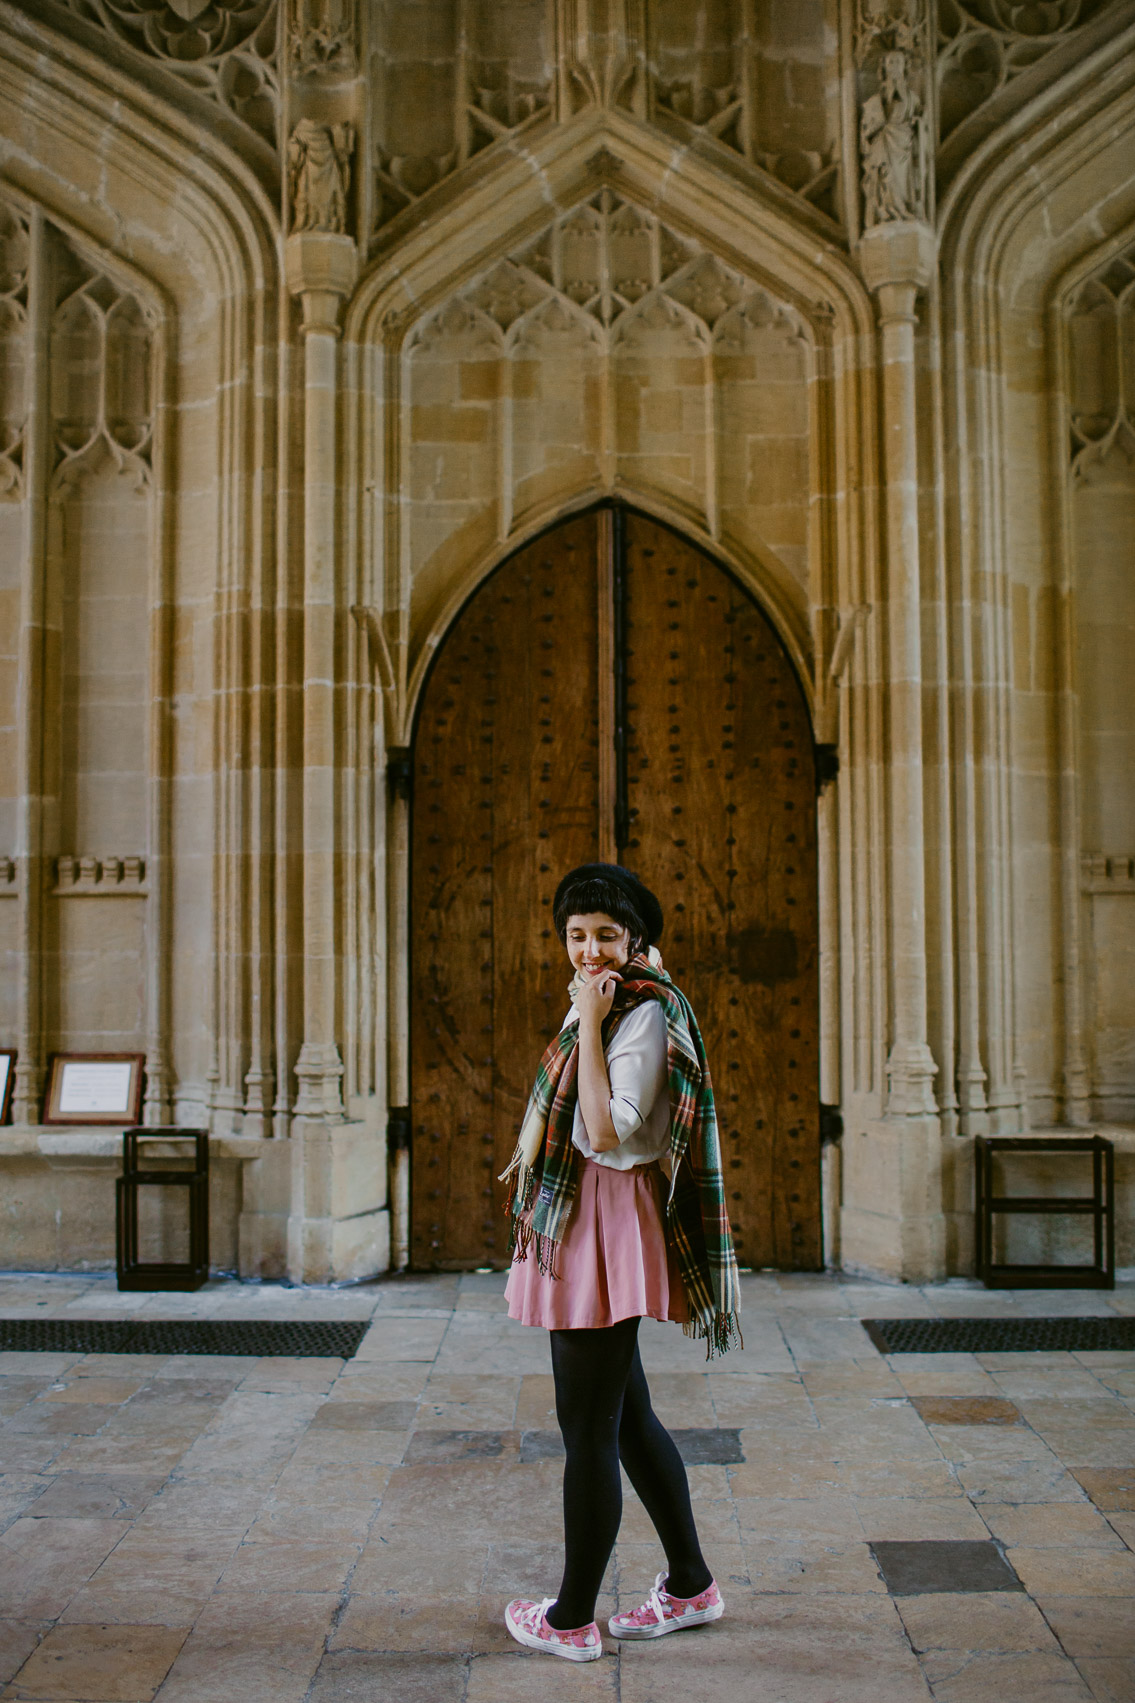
(594, 999)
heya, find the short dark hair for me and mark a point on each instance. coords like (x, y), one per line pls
(615, 891)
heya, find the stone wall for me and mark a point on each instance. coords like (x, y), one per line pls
(311, 314)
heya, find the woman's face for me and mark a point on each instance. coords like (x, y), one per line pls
(596, 943)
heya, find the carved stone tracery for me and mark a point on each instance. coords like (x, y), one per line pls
(610, 262)
(101, 379)
(225, 49)
(984, 44)
(717, 96)
(486, 80)
(322, 35)
(1101, 338)
(13, 351)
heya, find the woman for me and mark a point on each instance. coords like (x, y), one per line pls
(621, 1093)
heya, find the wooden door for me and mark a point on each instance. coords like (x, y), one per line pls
(505, 798)
(722, 825)
(715, 788)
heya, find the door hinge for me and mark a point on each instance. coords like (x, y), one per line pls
(831, 1126)
(827, 765)
(398, 1130)
(400, 771)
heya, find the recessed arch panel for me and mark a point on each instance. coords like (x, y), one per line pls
(720, 819)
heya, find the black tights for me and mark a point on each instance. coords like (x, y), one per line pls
(603, 1406)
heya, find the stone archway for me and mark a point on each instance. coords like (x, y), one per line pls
(610, 690)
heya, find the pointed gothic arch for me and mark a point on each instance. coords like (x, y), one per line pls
(674, 736)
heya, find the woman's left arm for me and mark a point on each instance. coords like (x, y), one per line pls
(594, 1087)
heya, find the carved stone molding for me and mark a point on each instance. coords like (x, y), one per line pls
(106, 877)
(319, 175)
(1102, 874)
(321, 269)
(225, 49)
(895, 154)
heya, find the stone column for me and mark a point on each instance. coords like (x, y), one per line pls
(321, 268)
(337, 1223)
(897, 260)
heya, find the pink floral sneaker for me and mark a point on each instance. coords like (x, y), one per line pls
(662, 1613)
(526, 1622)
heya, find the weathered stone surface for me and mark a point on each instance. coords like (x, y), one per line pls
(274, 407)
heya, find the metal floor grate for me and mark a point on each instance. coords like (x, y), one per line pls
(1000, 1336)
(294, 1338)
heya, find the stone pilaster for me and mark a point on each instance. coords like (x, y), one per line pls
(895, 1221)
(337, 1225)
(321, 271)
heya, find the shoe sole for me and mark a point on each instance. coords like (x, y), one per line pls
(569, 1652)
(700, 1617)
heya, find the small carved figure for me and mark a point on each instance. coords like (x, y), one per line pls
(319, 167)
(892, 146)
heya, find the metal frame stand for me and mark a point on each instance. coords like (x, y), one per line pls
(1100, 1204)
(173, 1274)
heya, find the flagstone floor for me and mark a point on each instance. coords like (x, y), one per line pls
(207, 1529)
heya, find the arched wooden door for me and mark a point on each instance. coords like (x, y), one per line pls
(611, 688)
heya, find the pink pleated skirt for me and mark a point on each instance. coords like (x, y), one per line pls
(613, 1261)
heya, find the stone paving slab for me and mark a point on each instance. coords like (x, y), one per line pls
(195, 1528)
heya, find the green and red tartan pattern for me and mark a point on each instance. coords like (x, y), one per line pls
(697, 1223)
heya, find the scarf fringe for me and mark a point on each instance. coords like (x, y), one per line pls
(518, 1167)
(524, 1239)
(719, 1332)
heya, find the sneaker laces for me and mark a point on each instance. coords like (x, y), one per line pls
(533, 1620)
(532, 1617)
(652, 1611)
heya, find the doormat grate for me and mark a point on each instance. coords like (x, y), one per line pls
(1000, 1336)
(928, 1567)
(299, 1339)
(698, 1445)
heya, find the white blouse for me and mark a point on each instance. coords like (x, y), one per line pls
(640, 1097)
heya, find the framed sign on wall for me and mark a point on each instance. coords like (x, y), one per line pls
(94, 1088)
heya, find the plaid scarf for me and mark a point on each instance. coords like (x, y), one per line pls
(546, 1164)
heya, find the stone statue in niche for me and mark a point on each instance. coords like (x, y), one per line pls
(319, 170)
(892, 144)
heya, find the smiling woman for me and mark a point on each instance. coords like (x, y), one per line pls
(603, 1237)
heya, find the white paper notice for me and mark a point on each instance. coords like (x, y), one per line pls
(5, 1067)
(89, 1086)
